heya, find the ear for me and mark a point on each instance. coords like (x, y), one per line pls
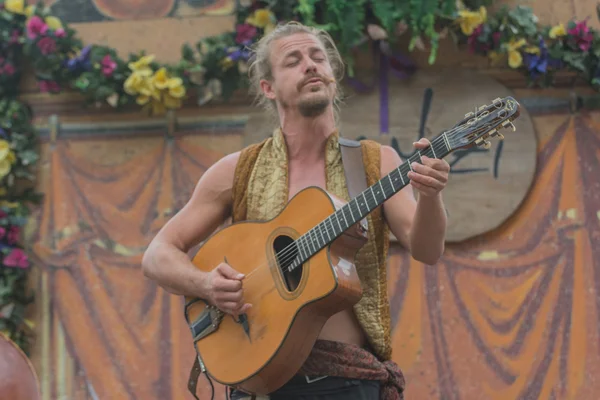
(267, 89)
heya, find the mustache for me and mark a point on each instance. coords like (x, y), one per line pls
(322, 78)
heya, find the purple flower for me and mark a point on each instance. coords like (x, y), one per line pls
(81, 62)
(239, 54)
(538, 64)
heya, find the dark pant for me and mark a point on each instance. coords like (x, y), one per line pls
(313, 388)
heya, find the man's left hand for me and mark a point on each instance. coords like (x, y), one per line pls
(429, 178)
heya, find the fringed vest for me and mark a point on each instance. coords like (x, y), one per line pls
(260, 192)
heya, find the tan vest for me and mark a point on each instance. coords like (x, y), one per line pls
(260, 192)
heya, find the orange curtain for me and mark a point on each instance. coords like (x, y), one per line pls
(95, 224)
(513, 314)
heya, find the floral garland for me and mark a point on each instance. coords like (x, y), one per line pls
(216, 67)
(513, 38)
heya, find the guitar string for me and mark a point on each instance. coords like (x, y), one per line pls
(288, 254)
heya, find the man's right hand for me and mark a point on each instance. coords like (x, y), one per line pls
(225, 290)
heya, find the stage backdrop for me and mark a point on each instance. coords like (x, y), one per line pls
(509, 315)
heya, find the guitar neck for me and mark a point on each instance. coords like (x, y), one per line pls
(359, 207)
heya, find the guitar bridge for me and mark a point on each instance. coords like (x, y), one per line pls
(207, 323)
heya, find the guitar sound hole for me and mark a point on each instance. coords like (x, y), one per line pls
(286, 252)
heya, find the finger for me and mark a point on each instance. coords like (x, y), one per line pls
(228, 272)
(423, 189)
(227, 285)
(236, 296)
(437, 164)
(426, 180)
(422, 143)
(428, 171)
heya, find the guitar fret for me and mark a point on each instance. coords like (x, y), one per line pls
(446, 141)
(345, 220)
(321, 233)
(351, 212)
(338, 221)
(391, 182)
(382, 190)
(433, 151)
(301, 247)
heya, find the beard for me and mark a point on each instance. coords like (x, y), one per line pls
(314, 106)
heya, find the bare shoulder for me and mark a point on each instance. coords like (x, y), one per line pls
(208, 207)
(216, 183)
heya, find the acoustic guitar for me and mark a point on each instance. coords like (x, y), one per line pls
(300, 270)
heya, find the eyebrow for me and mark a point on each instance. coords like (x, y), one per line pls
(297, 54)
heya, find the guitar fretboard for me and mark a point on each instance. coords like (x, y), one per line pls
(360, 206)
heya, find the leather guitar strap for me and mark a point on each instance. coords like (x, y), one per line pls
(356, 180)
(354, 169)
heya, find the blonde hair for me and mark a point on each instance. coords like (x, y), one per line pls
(260, 62)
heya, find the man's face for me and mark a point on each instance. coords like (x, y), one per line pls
(301, 75)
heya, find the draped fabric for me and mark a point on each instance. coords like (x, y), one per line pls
(128, 336)
(513, 314)
(509, 315)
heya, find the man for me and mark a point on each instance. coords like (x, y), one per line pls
(295, 72)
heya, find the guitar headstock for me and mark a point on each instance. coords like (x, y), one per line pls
(479, 126)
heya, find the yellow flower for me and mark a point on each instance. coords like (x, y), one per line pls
(4, 149)
(4, 168)
(176, 88)
(142, 64)
(227, 63)
(261, 18)
(15, 6)
(29, 10)
(557, 31)
(53, 23)
(469, 20)
(160, 78)
(533, 50)
(138, 82)
(515, 59)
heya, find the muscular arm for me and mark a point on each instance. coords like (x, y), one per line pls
(420, 226)
(166, 260)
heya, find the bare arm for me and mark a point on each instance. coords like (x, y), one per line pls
(166, 260)
(420, 226)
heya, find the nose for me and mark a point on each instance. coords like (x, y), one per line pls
(311, 66)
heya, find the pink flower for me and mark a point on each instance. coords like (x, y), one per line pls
(8, 69)
(49, 86)
(13, 235)
(108, 65)
(36, 27)
(60, 33)
(582, 35)
(47, 45)
(16, 258)
(244, 33)
(2, 232)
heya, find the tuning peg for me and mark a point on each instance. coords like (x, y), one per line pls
(496, 99)
(486, 144)
(469, 115)
(483, 107)
(506, 124)
(499, 136)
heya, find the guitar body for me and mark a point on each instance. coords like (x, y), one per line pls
(287, 313)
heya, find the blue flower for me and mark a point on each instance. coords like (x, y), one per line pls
(538, 64)
(239, 54)
(81, 62)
